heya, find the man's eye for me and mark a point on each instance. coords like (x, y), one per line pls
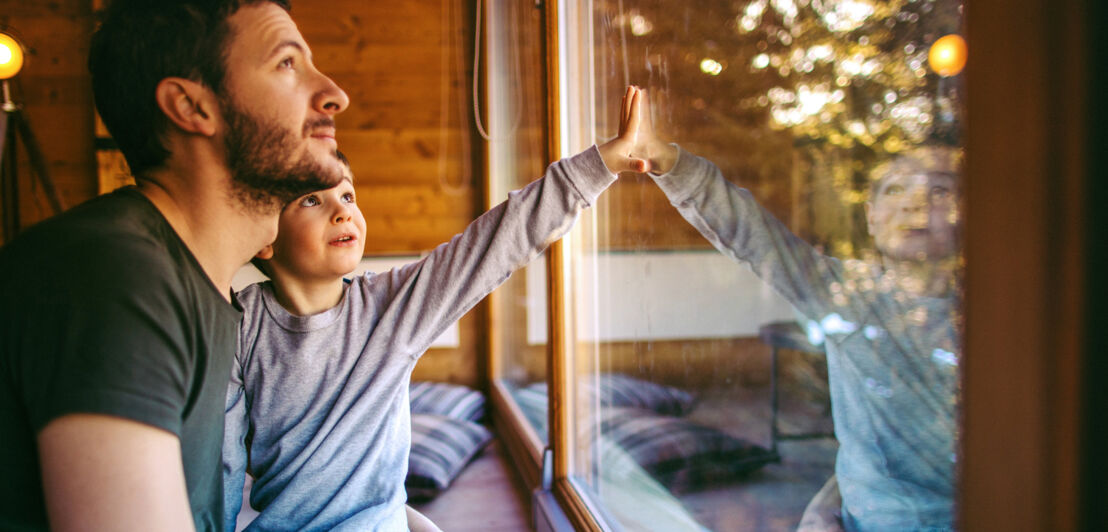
(940, 192)
(894, 190)
(285, 63)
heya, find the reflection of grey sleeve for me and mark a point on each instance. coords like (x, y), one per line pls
(730, 218)
(423, 298)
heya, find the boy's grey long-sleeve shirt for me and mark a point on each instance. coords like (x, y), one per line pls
(892, 356)
(324, 397)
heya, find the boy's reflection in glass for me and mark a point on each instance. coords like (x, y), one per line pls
(889, 322)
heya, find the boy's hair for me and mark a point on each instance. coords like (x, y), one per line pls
(141, 42)
(928, 158)
(342, 158)
(262, 264)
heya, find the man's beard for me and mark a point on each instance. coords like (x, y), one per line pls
(264, 177)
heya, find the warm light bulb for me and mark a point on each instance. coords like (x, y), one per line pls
(711, 67)
(947, 56)
(11, 56)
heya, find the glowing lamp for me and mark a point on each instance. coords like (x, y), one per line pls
(711, 67)
(947, 56)
(11, 56)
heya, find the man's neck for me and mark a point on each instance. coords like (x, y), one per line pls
(201, 207)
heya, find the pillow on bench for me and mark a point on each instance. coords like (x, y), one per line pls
(682, 455)
(444, 399)
(618, 390)
(441, 447)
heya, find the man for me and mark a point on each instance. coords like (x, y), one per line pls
(116, 322)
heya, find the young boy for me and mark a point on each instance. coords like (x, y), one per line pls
(320, 381)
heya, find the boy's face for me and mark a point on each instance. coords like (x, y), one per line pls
(321, 235)
(279, 109)
(914, 216)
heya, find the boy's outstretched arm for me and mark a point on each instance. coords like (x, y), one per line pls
(423, 298)
(637, 148)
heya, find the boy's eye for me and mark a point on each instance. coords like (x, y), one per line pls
(348, 197)
(894, 190)
(309, 201)
(940, 192)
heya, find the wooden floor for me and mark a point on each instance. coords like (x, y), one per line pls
(488, 496)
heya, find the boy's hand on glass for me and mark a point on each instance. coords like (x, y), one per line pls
(636, 148)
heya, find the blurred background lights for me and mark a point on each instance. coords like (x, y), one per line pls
(843, 15)
(851, 74)
(640, 25)
(711, 67)
(948, 55)
(11, 56)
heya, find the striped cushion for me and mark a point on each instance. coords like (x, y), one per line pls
(451, 400)
(682, 455)
(616, 389)
(532, 401)
(441, 447)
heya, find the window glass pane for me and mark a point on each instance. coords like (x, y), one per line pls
(517, 156)
(787, 337)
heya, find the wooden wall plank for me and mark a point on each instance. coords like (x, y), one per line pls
(408, 131)
(55, 93)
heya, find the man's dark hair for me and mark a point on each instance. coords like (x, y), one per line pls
(141, 42)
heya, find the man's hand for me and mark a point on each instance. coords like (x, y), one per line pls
(636, 148)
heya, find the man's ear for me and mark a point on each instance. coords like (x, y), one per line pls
(188, 104)
(266, 253)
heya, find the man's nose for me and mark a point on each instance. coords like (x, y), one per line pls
(330, 98)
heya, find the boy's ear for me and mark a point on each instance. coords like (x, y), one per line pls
(188, 104)
(266, 253)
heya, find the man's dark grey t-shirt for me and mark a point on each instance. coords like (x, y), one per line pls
(104, 310)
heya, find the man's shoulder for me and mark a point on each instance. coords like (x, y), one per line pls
(110, 241)
(121, 220)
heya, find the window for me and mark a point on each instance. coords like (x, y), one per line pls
(1027, 139)
(711, 347)
(518, 154)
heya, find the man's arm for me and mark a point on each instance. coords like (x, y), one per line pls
(107, 473)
